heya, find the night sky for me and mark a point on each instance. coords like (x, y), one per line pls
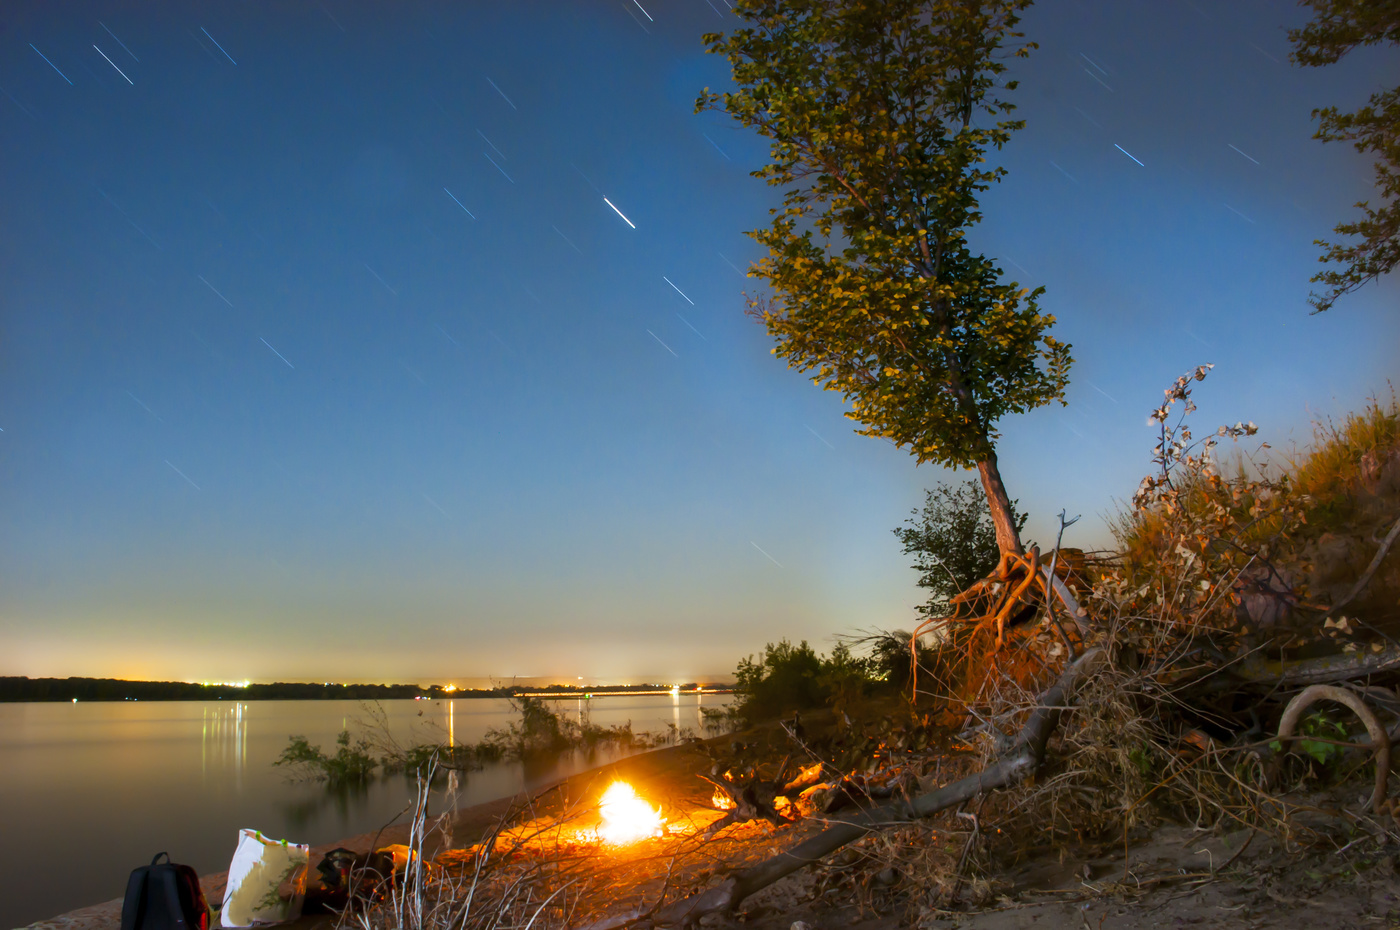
(323, 356)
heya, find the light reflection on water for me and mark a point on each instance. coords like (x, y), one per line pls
(96, 789)
(225, 732)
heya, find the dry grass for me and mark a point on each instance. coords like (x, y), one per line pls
(1344, 458)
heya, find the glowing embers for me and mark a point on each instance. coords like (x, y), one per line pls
(721, 801)
(626, 817)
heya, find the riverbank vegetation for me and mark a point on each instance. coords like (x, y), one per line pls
(1233, 586)
(540, 731)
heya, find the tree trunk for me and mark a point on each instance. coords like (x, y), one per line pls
(1008, 540)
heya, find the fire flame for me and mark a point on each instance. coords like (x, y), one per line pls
(721, 801)
(626, 817)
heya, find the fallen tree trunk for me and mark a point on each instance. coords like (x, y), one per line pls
(1021, 760)
(1318, 671)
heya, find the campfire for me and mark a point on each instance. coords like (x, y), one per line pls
(626, 817)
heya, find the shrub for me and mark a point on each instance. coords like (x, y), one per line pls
(784, 679)
(350, 765)
(542, 730)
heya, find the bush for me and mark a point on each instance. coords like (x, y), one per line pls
(845, 677)
(1266, 547)
(350, 765)
(542, 730)
(784, 679)
(787, 678)
(418, 761)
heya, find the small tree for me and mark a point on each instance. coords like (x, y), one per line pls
(1339, 27)
(870, 106)
(785, 678)
(953, 541)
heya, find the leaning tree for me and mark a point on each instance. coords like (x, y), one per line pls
(874, 109)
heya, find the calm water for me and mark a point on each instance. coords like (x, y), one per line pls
(89, 791)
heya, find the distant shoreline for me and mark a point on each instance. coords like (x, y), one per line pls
(72, 690)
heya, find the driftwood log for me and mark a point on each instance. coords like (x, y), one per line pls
(1318, 671)
(1024, 756)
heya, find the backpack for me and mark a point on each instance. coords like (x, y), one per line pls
(164, 896)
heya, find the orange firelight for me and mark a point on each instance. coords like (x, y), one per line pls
(626, 817)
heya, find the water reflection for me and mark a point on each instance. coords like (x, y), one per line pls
(224, 734)
(345, 799)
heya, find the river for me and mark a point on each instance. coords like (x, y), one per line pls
(90, 791)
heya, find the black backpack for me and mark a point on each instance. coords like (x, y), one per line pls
(164, 896)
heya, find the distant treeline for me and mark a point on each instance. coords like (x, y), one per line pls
(115, 689)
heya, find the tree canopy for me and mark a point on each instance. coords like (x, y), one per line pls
(875, 111)
(1338, 27)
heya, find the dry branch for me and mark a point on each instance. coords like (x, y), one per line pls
(1072, 607)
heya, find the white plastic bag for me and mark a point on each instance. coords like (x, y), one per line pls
(259, 870)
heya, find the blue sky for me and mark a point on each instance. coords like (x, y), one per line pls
(322, 355)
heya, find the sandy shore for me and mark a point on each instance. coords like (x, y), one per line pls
(665, 775)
